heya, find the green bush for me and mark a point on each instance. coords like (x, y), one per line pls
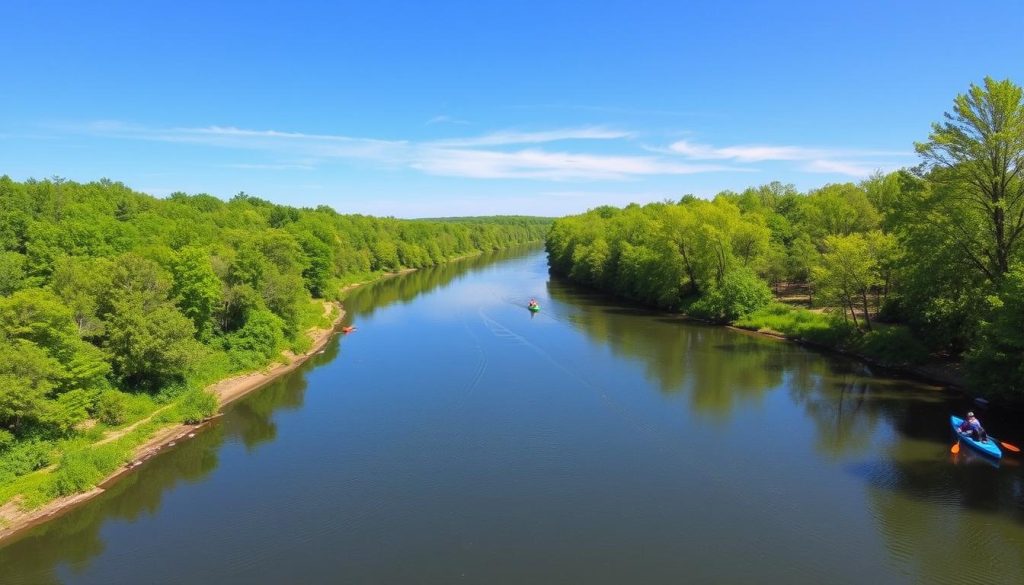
(891, 345)
(740, 293)
(112, 407)
(258, 341)
(171, 392)
(6, 440)
(25, 457)
(69, 409)
(76, 473)
(196, 406)
(139, 406)
(81, 469)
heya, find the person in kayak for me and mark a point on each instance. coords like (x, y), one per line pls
(972, 427)
(533, 303)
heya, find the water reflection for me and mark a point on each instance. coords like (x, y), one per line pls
(715, 368)
(719, 369)
(367, 300)
(75, 538)
(252, 418)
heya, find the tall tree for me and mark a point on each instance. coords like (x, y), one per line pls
(976, 157)
(848, 271)
(197, 289)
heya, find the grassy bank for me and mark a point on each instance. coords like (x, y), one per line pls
(888, 345)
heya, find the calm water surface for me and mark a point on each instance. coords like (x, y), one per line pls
(455, 438)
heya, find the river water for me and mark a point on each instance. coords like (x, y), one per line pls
(456, 438)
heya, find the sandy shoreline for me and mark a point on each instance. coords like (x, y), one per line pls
(15, 520)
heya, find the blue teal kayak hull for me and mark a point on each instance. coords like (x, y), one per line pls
(989, 448)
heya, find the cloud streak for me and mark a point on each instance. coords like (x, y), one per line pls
(480, 157)
(445, 119)
(848, 162)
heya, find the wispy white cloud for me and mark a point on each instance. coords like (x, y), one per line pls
(541, 164)
(444, 119)
(816, 160)
(477, 157)
(746, 153)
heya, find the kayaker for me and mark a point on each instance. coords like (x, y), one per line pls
(533, 302)
(972, 426)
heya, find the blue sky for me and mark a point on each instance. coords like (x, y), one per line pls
(417, 109)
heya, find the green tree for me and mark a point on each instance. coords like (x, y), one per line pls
(149, 346)
(975, 158)
(847, 273)
(196, 289)
(12, 272)
(837, 210)
(27, 376)
(996, 363)
(740, 293)
(81, 283)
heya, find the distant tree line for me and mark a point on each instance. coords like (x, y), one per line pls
(936, 249)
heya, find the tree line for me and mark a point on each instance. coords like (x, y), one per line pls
(924, 261)
(114, 302)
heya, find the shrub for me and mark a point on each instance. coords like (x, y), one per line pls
(259, 340)
(6, 440)
(171, 392)
(894, 345)
(80, 469)
(740, 293)
(25, 457)
(112, 407)
(76, 473)
(196, 406)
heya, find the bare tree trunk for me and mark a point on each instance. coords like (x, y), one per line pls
(867, 318)
(853, 312)
(689, 269)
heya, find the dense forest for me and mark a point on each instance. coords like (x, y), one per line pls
(914, 265)
(115, 305)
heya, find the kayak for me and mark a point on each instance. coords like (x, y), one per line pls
(989, 448)
(533, 308)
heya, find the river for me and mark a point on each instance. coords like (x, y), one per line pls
(456, 438)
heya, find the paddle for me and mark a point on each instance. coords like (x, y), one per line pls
(1009, 446)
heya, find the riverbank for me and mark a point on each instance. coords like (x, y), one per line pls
(946, 377)
(14, 519)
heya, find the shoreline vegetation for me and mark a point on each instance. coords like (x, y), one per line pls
(919, 270)
(123, 315)
(15, 519)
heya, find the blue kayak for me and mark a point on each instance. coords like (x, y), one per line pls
(989, 448)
